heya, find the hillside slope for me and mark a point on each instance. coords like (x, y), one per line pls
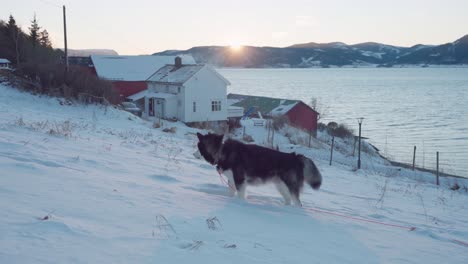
(88, 184)
(334, 54)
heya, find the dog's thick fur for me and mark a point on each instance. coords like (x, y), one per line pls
(251, 164)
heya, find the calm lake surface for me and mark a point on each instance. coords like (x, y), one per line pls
(402, 107)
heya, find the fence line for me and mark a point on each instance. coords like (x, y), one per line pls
(414, 157)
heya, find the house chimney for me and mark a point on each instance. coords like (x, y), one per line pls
(178, 62)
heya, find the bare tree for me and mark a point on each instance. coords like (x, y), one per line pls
(319, 107)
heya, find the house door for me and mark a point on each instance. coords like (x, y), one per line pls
(151, 107)
(159, 107)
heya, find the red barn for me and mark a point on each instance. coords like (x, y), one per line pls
(128, 74)
(299, 114)
(303, 116)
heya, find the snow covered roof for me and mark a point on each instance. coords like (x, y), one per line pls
(133, 68)
(138, 95)
(282, 109)
(172, 74)
(180, 75)
(147, 93)
(266, 105)
(4, 60)
(161, 95)
(232, 101)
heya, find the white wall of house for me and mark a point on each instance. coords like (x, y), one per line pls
(204, 88)
(163, 88)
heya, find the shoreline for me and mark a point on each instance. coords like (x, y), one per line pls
(370, 66)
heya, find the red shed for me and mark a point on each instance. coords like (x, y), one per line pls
(303, 116)
(127, 88)
(299, 114)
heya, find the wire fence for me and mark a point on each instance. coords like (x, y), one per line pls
(452, 162)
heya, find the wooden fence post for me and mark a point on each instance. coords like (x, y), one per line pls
(437, 155)
(268, 127)
(272, 137)
(354, 145)
(414, 156)
(331, 150)
(310, 137)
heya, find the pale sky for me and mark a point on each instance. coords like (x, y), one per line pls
(147, 26)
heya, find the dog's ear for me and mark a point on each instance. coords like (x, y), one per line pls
(200, 136)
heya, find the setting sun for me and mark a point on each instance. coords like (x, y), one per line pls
(236, 47)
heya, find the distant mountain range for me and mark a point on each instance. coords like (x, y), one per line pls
(89, 52)
(330, 54)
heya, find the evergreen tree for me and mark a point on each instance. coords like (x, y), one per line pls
(11, 29)
(44, 39)
(34, 32)
(11, 22)
(13, 33)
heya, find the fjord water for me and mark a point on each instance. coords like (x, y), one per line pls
(402, 107)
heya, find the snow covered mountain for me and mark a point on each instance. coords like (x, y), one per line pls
(89, 52)
(332, 54)
(94, 184)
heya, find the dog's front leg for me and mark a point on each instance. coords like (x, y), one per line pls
(239, 180)
(232, 185)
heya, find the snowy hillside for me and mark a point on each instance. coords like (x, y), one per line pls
(333, 54)
(89, 184)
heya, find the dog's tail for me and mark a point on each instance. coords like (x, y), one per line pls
(311, 174)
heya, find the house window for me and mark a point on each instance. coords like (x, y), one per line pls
(178, 89)
(194, 107)
(215, 106)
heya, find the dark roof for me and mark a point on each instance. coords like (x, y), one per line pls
(173, 74)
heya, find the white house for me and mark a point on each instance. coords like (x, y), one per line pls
(5, 64)
(186, 92)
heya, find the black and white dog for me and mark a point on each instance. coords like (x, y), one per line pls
(251, 164)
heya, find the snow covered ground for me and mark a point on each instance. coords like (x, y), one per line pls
(88, 184)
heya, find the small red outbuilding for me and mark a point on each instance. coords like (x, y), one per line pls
(299, 114)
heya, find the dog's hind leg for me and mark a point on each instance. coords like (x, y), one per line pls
(296, 201)
(295, 192)
(284, 191)
(241, 190)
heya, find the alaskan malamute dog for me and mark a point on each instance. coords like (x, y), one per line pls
(251, 164)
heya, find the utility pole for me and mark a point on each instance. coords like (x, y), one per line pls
(437, 161)
(65, 39)
(359, 148)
